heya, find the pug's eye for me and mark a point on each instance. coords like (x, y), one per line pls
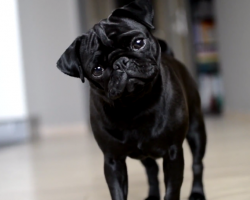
(138, 44)
(98, 71)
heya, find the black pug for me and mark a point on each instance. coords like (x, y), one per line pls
(143, 101)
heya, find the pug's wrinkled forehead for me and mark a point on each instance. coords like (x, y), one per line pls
(119, 32)
(128, 21)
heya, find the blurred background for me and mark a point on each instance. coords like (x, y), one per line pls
(46, 146)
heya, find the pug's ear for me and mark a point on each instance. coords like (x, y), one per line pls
(139, 10)
(69, 63)
(165, 48)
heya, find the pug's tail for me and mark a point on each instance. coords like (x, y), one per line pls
(165, 49)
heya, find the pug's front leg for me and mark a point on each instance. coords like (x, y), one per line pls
(173, 167)
(115, 171)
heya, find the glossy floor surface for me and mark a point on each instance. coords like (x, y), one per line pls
(71, 167)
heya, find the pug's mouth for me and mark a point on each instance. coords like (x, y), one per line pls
(129, 82)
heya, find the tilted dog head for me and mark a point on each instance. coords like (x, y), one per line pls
(119, 56)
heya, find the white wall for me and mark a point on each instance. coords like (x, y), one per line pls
(12, 92)
(234, 43)
(48, 27)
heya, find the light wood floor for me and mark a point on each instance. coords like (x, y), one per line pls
(70, 167)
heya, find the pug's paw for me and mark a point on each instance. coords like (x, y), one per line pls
(197, 196)
(153, 198)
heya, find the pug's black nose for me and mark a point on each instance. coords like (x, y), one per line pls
(121, 63)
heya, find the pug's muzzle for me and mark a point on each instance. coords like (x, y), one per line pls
(129, 77)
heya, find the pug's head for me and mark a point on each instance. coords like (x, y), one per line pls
(119, 56)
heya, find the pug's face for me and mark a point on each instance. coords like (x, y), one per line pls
(119, 56)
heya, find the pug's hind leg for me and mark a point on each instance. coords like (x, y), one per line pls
(152, 170)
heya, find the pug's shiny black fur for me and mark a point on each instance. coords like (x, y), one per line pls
(143, 102)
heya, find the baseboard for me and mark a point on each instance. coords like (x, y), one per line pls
(237, 115)
(14, 131)
(65, 130)
(80, 128)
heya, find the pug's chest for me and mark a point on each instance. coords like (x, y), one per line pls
(143, 148)
(143, 141)
(147, 134)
